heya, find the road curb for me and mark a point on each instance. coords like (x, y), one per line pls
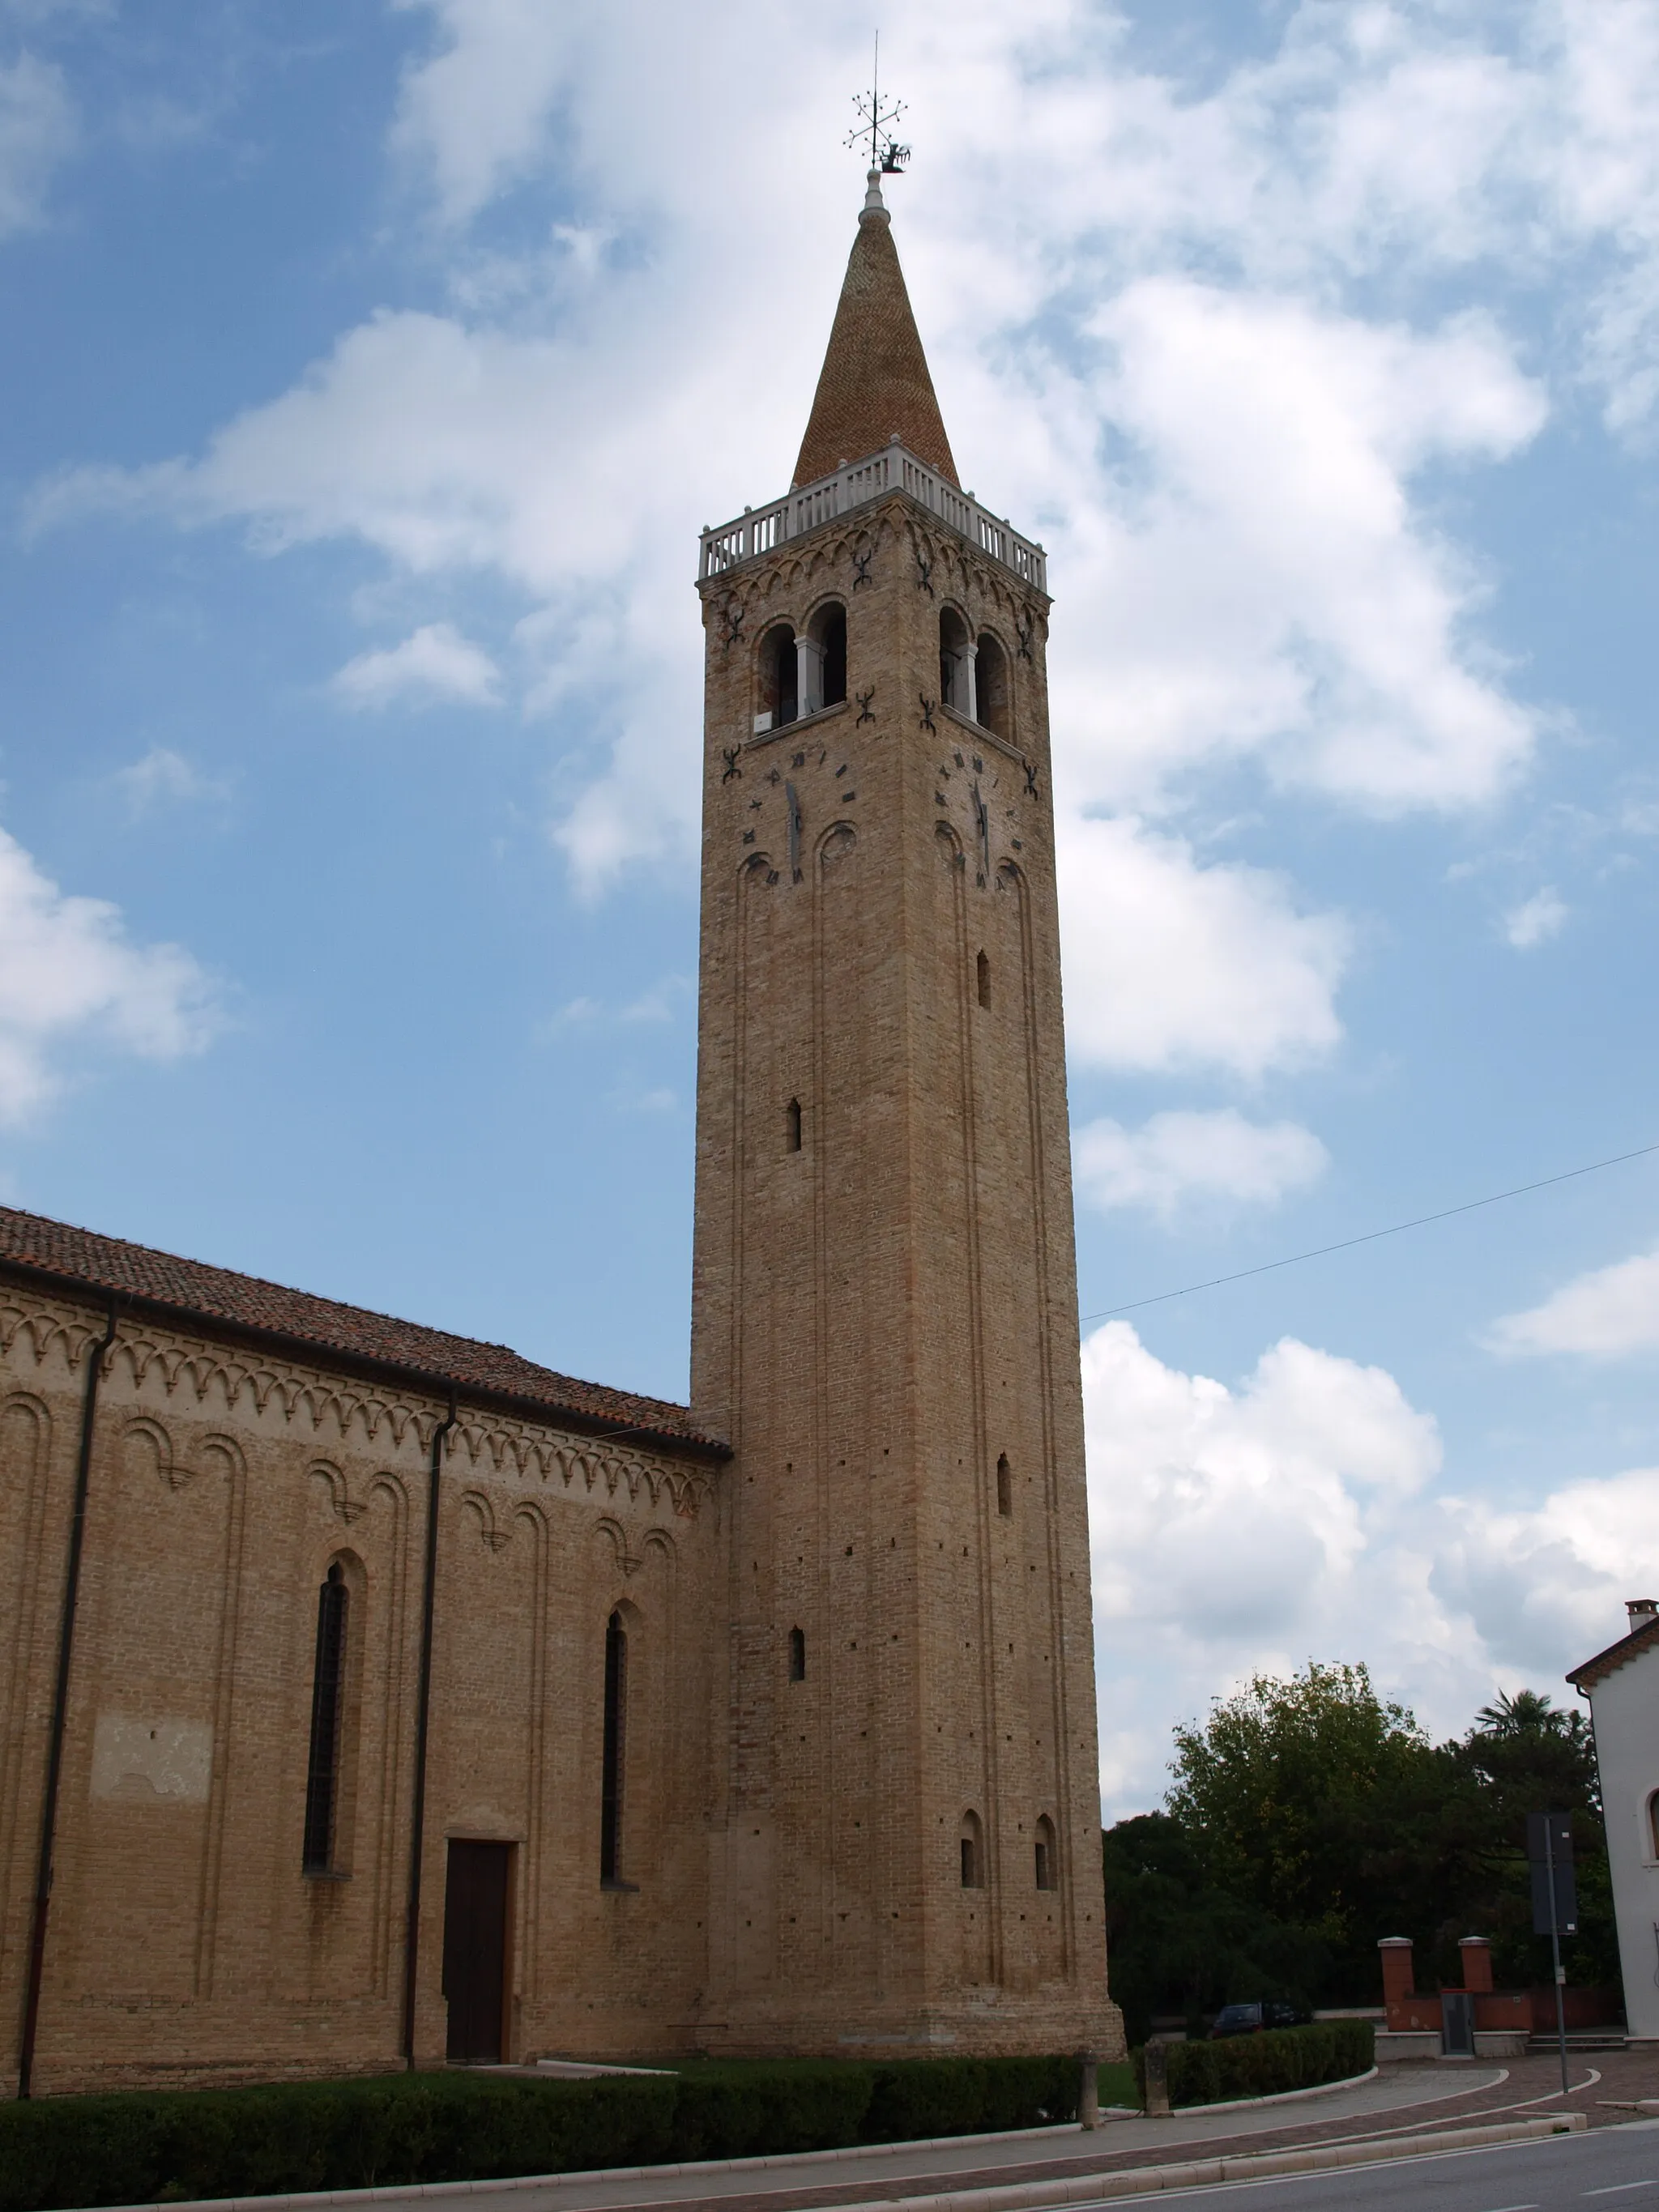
(1198, 2173)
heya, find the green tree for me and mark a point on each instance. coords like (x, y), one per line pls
(1523, 1754)
(1307, 1818)
(1315, 1800)
(1180, 1946)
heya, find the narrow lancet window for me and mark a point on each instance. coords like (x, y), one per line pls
(327, 1713)
(1048, 1875)
(791, 1126)
(984, 981)
(798, 1655)
(973, 1868)
(615, 1718)
(1005, 1487)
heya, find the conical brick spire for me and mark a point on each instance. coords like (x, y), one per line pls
(874, 383)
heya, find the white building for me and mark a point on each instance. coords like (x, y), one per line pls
(1622, 1685)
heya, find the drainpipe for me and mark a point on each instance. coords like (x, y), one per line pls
(60, 1710)
(422, 1710)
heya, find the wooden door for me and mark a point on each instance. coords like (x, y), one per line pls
(475, 1950)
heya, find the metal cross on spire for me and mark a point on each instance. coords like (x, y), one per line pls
(874, 126)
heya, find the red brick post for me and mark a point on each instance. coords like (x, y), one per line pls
(1397, 1980)
(1475, 1952)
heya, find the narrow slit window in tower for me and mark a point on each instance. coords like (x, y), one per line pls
(1653, 1825)
(616, 1717)
(791, 1126)
(984, 969)
(1047, 1875)
(327, 1712)
(1005, 1487)
(973, 1867)
(798, 1655)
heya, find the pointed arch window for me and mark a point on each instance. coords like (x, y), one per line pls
(982, 975)
(1047, 1865)
(791, 1126)
(1005, 1487)
(798, 1655)
(327, 1724)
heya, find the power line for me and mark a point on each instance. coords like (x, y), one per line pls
(1421, 1221)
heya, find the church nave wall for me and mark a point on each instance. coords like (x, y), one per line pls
(189, 1939)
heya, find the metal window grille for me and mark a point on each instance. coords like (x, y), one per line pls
(327, 1711)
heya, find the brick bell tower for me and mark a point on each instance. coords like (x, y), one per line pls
(905, 1825)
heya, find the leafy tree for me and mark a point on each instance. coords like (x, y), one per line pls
(1315, 1799)
(1308, 1817)
(1179, 1945)
(1525, 1755)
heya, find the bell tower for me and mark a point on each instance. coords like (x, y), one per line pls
(905, 1828)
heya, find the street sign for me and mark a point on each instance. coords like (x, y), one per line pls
(1549, 1835)
(1563, 1920)
(1549, 1847)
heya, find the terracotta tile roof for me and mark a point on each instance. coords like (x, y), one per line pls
(874, 382)
(245, 1305)
(1616, 1656)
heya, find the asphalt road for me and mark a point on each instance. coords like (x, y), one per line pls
(1604, 2170)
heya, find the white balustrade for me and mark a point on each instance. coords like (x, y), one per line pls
(893, 469)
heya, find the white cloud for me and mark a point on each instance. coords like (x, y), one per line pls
(68, 975)
(1232, 1529)
(1602, 1314)
(1536, 920)
(1177, 1156)
(1553, 1578)
(1298, 1515)
(1257, 578)
(1270, 589)
(435, 662)
(1170, 963)
(164, 776)
(37, 132)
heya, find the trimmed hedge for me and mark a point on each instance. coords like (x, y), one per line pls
(1263, 2065)
(400, 2129)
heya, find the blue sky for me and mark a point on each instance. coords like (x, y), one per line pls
(370, 370)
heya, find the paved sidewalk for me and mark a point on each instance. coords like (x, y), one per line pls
(1412, 2099)
(1401, 2099)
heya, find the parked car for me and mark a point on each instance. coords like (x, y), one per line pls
(1251, 2019)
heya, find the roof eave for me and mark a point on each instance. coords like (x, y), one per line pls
(1628, 1647)
(318, 1351)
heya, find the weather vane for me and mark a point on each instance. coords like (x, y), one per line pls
(875, 123)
